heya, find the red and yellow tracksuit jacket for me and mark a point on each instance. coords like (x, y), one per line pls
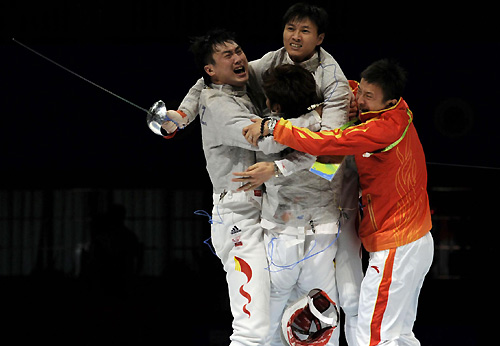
(391, 167)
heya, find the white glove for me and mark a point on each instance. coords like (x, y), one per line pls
(169, 126)
(179, 120)
(159, 117)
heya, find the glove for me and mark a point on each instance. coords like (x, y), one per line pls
(159, 118)
(171, 126)
(179, 118)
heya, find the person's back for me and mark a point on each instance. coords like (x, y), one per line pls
(298, 199)
(299, 211)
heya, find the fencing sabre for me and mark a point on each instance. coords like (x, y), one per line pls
(156, 115)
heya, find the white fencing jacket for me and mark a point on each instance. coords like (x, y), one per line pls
(294, 199)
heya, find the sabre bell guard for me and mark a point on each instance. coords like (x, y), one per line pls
(157, 115)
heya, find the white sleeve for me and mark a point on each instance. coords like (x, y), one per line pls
(261, 65)
(190, 103)
(336, 108)
(311, 120)
(335, 91)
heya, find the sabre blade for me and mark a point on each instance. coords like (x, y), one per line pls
(79, 76)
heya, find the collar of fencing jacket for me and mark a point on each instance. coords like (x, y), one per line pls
(310, 64)
(229, 89)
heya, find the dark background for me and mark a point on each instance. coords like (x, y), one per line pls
(58, 132)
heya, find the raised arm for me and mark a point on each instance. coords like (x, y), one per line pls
(190, 103)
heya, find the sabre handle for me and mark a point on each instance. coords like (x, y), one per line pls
(158, 116)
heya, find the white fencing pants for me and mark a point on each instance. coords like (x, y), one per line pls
(300, 275)
(389, 294)
(349, 269)
(238, 241)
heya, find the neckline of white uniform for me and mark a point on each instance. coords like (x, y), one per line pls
(310, 65)
(229, 89)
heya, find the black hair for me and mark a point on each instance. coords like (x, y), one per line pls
(203, 48)
(292, 87)
(388, 75)
(301, 11)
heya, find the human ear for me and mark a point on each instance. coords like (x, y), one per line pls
(209, 69)
(390, 103)
(320, 39)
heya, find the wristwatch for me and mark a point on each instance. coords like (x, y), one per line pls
(271, 125)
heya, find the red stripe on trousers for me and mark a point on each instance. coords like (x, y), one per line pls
(382, 297)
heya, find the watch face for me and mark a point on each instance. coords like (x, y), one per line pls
(272, 125)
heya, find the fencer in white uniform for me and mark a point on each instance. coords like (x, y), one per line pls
(226, 107)
(300, 212)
